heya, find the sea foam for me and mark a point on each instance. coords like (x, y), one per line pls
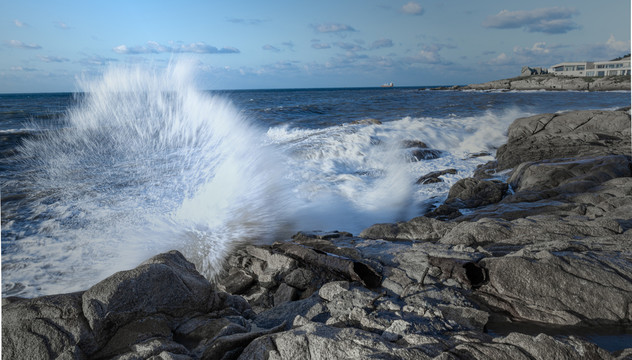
(144, 163)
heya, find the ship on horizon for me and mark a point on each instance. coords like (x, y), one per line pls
(388, 85)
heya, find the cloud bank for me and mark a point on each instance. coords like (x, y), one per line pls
(153, 47)
(555, 20)
(17, 44)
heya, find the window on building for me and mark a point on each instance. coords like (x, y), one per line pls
(558, 68)
(601, 73)
(590, 73)
(581, 67)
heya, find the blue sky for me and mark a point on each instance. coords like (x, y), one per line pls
(46, 45)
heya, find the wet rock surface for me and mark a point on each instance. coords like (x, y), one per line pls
(550, 246)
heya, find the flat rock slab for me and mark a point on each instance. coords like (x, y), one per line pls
(567, 135)
(561, 288)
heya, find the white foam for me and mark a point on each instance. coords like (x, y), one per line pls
(144, 164)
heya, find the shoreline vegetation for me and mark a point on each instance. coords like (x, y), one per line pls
(487, 275)
(550, 82)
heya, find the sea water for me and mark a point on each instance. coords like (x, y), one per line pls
(140, 161)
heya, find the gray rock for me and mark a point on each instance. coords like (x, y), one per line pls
(521, 346)
(351, 269)
(237, 281)
(424, 154)
(578, 175)
(420, 228)
(471, 193)
(286, 312)
(562, 288)
(193, 331)
(407, 144)
(529, 81)
(536, 229)
(444, 212)
(299, 278)
(169, 285)
(610, 83)
(135, 332)
(48, 327)
(154, 347)
(573, 134)
(318, 341)
(285, 293)
(433, 177)
(230, 346)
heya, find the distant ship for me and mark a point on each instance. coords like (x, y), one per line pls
(388, 85)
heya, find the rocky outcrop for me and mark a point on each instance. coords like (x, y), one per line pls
(573, 134)
(552, 82)
(547, 250)
(162, 309)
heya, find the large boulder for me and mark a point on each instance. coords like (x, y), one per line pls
(548, 174)
(166, 284)
(561, 288)
(471, 192)
(522, 346)
(573, 134)
(164, 307)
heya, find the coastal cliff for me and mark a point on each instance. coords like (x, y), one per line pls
(487, 275)
(554, 83)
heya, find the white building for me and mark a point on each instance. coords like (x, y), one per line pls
(589, 68)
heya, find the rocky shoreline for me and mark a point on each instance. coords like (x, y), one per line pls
(552, 83)
(548, 249)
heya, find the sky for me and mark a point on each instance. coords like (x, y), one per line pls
(45, 46)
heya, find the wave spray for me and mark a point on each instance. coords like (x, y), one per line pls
(146, 163)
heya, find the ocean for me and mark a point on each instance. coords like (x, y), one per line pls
(139, 162)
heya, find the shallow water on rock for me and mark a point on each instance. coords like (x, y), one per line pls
(612, 338)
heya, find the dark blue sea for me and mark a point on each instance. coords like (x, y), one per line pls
(139, 163)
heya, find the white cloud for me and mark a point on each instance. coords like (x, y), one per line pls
(538, 48)
(62, 25)
(615, 45)
(19, 23)
(428, 57)
(50, 59)
(332, 28)
(553, 20)
(96, 60)
(246, 21)
(413, 8)
(20, 45)
(501, 59)
(153, 47)
(269, 47)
